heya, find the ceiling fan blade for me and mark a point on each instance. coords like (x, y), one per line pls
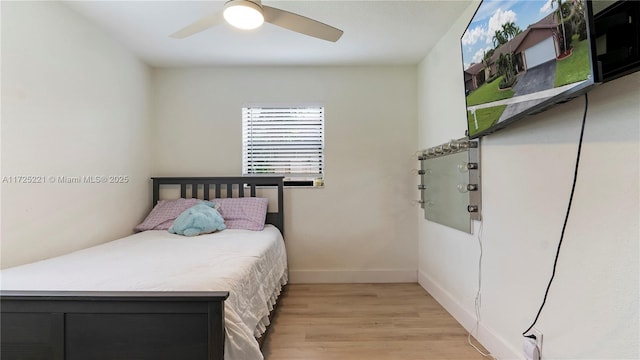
(198, 26)
(301, 24)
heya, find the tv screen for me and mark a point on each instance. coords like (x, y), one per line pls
(521, 57)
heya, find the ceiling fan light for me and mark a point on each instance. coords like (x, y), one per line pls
(243, 14)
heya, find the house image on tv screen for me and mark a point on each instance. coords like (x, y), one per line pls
(518, 54)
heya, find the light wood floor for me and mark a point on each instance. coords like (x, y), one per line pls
(364, 321)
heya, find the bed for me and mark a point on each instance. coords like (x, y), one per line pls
(153, 295)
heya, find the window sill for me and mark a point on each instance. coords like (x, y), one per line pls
(304, 187)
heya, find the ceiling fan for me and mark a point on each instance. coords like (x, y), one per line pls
(251, 14)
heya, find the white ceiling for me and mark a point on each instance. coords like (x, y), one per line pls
(375, 32)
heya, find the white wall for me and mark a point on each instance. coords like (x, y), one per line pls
(361, 225)
(592, 308)
(74, 103)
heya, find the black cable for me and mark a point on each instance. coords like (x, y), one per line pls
(566, 218)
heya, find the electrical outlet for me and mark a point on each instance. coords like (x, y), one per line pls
(533, 347)
(538, 335)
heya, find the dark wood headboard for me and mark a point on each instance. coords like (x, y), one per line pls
(212, 187)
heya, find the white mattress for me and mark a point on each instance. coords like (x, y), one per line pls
(251, 265)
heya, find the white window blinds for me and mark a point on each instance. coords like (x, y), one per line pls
(285, 141)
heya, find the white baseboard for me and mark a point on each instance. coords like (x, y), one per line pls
(491, 340)
(352, 276)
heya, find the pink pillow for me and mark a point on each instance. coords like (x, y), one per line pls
(164, 213)
(247, 213)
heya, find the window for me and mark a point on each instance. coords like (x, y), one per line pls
(286, 141)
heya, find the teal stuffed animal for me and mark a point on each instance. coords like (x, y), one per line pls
(202, 218)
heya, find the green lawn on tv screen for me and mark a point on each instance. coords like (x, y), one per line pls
(486, 117)
(575, 67)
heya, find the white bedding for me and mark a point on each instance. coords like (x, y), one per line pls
(251, 265)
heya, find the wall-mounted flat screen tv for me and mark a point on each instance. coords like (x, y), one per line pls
(522, 56)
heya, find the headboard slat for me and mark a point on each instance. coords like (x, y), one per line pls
(205, 192)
